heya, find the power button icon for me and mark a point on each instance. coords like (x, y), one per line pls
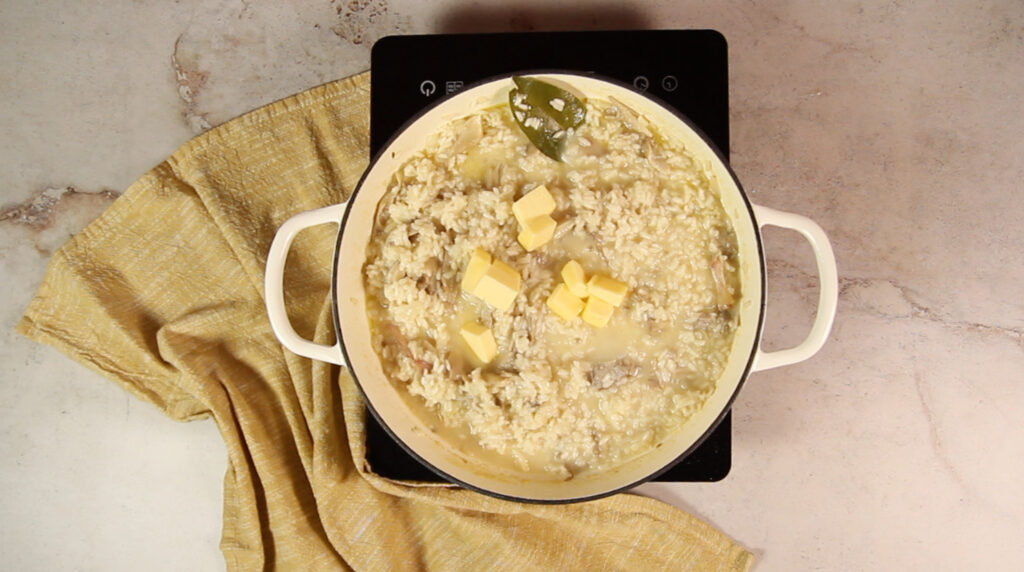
(428, 88)
(669, 83)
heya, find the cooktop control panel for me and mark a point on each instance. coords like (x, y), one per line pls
(687, 69)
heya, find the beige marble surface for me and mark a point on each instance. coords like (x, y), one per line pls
(898, 126)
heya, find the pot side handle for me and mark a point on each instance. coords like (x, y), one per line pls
(274, 284)
(828, 288)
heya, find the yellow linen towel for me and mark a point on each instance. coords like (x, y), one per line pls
(163, 293)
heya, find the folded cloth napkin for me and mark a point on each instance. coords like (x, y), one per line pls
(163, 293)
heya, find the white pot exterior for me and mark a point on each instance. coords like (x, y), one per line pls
(406, 421)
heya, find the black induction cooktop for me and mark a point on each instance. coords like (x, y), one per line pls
(687, 69)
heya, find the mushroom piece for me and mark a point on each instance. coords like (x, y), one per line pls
(609, 373)
(631, 118)
(470, 133)
(723, 292)
(394, 336)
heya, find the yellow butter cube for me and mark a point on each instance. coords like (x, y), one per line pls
(480, 340)
(597, 312)
(608, 289)
(562, 302)
(537, 232)
(475, 269)
(575, 279)
(533, 204)
(498, 286)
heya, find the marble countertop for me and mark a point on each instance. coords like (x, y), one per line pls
(896, 126)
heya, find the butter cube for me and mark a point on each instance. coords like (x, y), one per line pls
(498, 286)
(480, 340)
(608, 289)
(563, 303)
(478, 264)
(597, 312)
(537, 232)
(575, 279)
(533, 204)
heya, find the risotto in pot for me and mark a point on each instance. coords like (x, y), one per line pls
(553, 281)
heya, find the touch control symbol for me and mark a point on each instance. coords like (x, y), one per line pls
(669, 83)
(428, 88)
(641, 82)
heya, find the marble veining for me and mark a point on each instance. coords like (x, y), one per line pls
(896, 126)
(366, 21)
(52, 215)
(892, 300)
(190, 80)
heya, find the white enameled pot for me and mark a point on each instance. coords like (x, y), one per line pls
(354, 350)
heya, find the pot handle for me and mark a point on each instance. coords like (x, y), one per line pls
(828, 288)
(274, 284)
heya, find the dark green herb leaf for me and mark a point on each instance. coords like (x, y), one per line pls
(545, 113)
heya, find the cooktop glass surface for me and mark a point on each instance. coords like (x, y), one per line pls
(687, 69)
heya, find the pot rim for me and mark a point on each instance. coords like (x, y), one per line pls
(339, 330)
